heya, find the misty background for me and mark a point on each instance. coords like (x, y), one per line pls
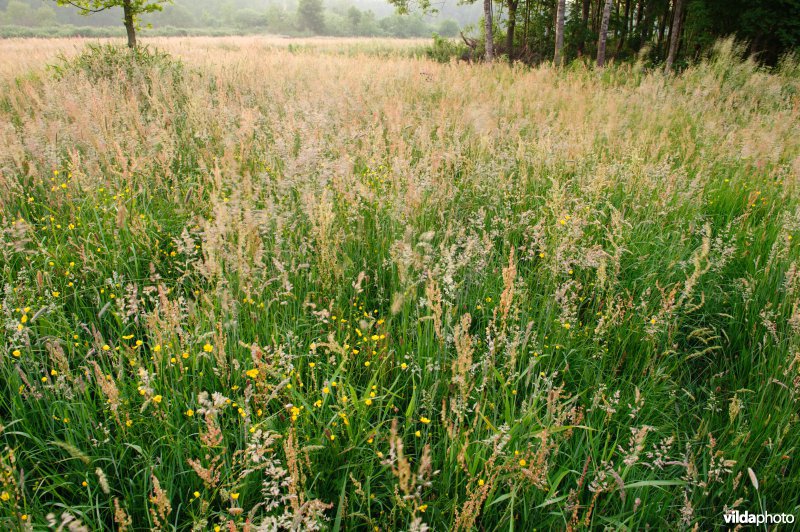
(287, 17)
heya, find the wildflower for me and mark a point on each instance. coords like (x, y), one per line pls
(252, 373)
(55, 294)
(418, 434)
(481, 482)
(157, 399)
(423, 508)
(425, 420)
(157, 348)
(190, 413)
(5, 496)
(208, 348)
(368, 402)
(106, 347)
(196, 494)
(403, 365)
(523, 463)
(366, 364)
(234, 496)
(326, 390)
(311, 365)
(333, 437)
(16, 353)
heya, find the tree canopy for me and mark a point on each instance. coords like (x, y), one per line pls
(131, 10)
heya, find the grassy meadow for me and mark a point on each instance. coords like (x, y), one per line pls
(275, 284)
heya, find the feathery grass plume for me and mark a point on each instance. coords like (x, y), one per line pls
(161, 507)
(109, 389)
(461, 376)
(121, 517)
(433, 295)
(102, 479)
(66, 522)
(507, 297)
(58, 358)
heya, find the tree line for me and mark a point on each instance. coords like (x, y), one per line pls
(669, 31)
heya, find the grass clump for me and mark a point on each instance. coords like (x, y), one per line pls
(136, 66)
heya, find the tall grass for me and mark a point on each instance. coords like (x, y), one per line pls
(340, 286)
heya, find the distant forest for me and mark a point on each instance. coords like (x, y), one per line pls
(291, 17)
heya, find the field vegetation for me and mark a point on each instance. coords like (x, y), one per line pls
(259, 284)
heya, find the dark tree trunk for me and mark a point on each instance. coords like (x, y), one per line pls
(626, 18)
(639, 18)
(675, 34)
(558, 56)
(130, 28)
(584, 25)
(525, 29)
(512, 26)
(487, 25)
(662, 28)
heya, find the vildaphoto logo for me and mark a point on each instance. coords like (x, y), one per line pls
(735, 517)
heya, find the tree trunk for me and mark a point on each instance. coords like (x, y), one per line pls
(675, 35)
(525, 30)
(601, 41)
(584, 26)
(558, 57)
(662, 28)
(639, 18)
(512, 26)
(127, 12)
(626, 19)
(487, 24)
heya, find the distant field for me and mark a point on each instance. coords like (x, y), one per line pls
(331, 284)
(23, 55)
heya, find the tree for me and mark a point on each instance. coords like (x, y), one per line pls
(487, 24)
(511, 28)
(675, 35)
(309, 16)
(558, 56)
(131, 11)
(601, 41)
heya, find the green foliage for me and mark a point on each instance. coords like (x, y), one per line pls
(137, 7)
(444, 50)
(310, 16)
